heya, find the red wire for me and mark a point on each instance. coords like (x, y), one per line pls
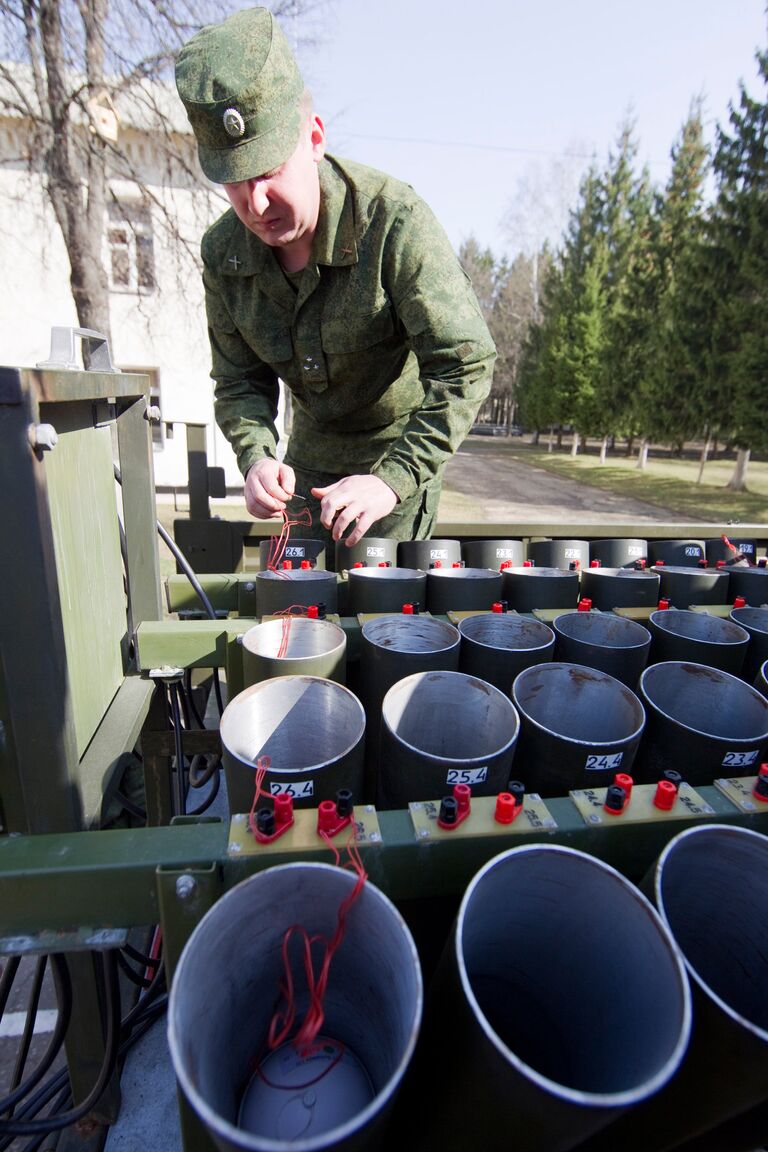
(281, 1026)
(263, 764)
(279, 543)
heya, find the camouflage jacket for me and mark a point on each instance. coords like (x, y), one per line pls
(383, 347)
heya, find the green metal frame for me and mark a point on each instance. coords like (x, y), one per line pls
(71, 703)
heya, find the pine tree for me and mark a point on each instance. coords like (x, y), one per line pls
(739, 235)
(677, 391)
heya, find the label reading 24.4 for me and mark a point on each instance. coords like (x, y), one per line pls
(602, 763)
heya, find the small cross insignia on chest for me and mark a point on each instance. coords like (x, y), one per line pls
(233, 260)
(346, 251)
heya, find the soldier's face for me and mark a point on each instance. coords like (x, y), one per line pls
(281, 207)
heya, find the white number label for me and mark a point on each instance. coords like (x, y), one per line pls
(600, 763)
(298, 790)
(691, 550)
(374, 551)
(293, 550)
(746, 548)
(572, 553)
(467, 775)
(739, 759)
(438, 554)
(634, 550)
(505, 553)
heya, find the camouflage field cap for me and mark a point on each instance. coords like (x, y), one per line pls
(241, 86)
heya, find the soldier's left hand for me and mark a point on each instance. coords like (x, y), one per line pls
(355, 500)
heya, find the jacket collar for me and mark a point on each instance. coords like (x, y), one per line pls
(334, 244)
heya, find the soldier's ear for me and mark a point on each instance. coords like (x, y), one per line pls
(317, 138)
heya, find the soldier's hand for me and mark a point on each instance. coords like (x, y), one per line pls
(355, 500)
(268, 487)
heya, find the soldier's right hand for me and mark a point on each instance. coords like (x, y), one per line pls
(269, 486)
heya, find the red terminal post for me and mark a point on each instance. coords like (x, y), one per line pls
(306, 564)
(504, 565)
(527, 563)
(312, 612)
(658, 563)
(358, 564)
(286, 564)
(574, 565)
(436, 564)
(584, 605)
(455, 809)
(384, 564)
(702, 563)
(616, 800)
(457, 564)
(625, 781)
(334, 815)
(760, 789)
(507, 808)
(663, 604)
(719, 563)
(272, 823)
(595, 564)
(500, 606)
(666, 795)
(641, 563)
(740, 602)
(408, 610)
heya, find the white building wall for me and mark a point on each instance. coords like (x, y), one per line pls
(161, 331)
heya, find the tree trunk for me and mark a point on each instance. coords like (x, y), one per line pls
(604, 450)
(630, 445)
(535, 436)
(738, 481)
(703, 458)
(642, 455)
(575, 445)
(83, 231)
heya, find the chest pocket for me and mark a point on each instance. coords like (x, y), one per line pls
(272, 345)
(354, 332)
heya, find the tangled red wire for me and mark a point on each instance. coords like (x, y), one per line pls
(279, 543)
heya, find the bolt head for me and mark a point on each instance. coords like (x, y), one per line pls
(185, 886)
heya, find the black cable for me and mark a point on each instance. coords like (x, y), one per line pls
(129, 806)
(181, 797)
(17, 1127)
(131, 973)
(205, 804)
(191, 696)
(64, 1000)
(6, 980)
(29, 1021)
(213, 764)
(141, 957)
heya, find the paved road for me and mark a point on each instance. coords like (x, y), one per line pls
(485, 483)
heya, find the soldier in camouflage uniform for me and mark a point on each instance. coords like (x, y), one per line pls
(336, 279)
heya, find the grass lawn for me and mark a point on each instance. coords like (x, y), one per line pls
(666, 481)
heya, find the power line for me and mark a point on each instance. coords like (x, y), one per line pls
(480, 147)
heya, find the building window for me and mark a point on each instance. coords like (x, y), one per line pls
(131, 248)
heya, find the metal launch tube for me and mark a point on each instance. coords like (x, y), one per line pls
(227, 986)
(559, 1001)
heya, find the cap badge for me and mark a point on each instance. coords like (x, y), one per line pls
(234, 125)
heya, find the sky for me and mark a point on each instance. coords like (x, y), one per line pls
(492, 109)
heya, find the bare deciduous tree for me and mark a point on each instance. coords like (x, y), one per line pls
(68, 68)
